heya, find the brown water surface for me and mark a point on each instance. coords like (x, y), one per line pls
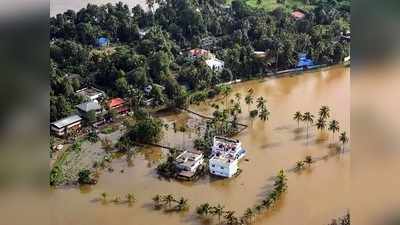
(315, 196)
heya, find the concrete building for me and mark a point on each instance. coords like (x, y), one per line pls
(189, 161)
(86, 107)
(215, 64)
(66, 125)
(226, 154)
(91, 94)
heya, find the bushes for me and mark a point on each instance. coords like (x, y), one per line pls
(85, 177)
(148, 130)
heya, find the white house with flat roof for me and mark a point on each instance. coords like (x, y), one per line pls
(91, 93)
(226, 153)
(66, 125)
(189, 161)
(215, 64)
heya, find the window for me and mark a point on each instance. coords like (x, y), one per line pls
(212, 165)
(222, 167)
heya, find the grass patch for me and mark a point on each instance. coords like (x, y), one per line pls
(109, 129)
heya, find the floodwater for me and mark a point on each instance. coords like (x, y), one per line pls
(315, 195)
(60, 6)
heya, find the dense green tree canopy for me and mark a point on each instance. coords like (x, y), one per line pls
(148, 47)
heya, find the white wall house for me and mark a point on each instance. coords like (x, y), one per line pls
(91, 94)
(223, 166)
(215, 64)
(226, 153)
(189, 161)
(66, 125)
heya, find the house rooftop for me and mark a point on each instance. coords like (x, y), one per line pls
(89, 92)
(226, 140)
(115, 102)
(297, 14)
(66, 121)
(89, 106)
(188, 156)
(198, 52)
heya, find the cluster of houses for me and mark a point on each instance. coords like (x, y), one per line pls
(209, 58)
(225, 156)
(91, 105)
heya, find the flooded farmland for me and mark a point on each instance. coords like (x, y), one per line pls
(315, 195)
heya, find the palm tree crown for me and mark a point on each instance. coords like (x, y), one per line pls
(324, 112)
(298, 117)
(321, 124)
(334, 127)
(343, 138)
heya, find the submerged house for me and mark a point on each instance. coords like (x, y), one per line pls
(188, 163)
(226, 153)
(66, 125)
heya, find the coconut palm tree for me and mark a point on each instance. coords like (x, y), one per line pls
(226, 90)
(249, 214)
(238, 97)
(117, 199)
(344, 139)
(261, 102)
(104, 196)
(298, 117)
(334, 127)
(230, 218)
(309, 119)
(299, 165)
(219, 211)
(324, 112)
(321, 124)
(249, 100)
(204, 209)
(258, 209)
(182, 204)
(157, 200)
(168, 199)
(264, 114)
(308, 160)
(130, 198)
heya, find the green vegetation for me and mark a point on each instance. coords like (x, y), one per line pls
(271, 5)
(344, 220)
(146, 130)
(133, 61)
(169, 203)
(86, 177)
(129, 198)
(279, 187)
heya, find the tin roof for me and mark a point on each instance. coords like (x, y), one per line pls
(66, 121)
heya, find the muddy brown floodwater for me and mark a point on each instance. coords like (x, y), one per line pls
(314, 196)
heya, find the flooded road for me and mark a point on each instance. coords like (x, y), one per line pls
(315, 195)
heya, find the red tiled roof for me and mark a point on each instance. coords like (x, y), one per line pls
(115, 102)
(198, 52)
(298, 14)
